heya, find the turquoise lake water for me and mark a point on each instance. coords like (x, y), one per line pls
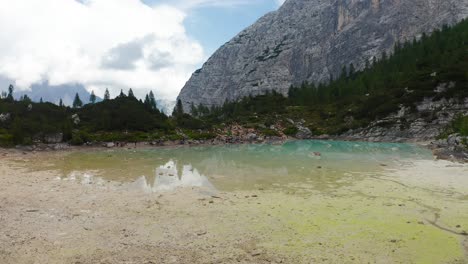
(327, 164)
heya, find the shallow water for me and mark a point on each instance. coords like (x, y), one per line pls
(320, 201)
(242, 167)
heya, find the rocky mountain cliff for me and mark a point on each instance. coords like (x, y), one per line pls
(311, 40)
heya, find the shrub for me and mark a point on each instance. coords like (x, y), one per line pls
(291, 131)
(460, 125)
(76, 139)
(6, 140)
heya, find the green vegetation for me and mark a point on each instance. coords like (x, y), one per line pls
(356, 98)
(458, 126)
(124, 119)
(93, 98)
(434, 67)
(77, 103)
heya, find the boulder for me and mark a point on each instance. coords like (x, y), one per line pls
(303, 132)
(5, 117)
(252, 136)
(76, 119)
(53, 138)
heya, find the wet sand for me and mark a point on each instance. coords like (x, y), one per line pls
(384, 219)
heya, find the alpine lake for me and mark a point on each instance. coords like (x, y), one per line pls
(321, 201)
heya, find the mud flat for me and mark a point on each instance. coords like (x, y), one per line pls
(413, 213)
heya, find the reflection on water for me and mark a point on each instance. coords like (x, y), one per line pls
(167, 178)
(323, 165)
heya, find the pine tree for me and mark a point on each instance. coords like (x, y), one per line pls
(61, 102)
(26, 99)
(147, 102)
(41, 101)
(193, 110)
(152, 101)
(344, 72)
(10, 92)
(352, 70)
(121, 93)
(92, 98)
(178, 110)
(106, 95)
(384, 56)
(77, 103)
(130, 93)
(367, 66)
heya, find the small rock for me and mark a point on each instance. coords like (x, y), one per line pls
(256, 253)
(201, 233)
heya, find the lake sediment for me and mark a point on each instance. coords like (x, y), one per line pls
(293, 203)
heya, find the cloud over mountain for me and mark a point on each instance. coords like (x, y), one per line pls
(98, 43)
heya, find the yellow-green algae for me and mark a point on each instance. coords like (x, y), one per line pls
(370, 221)
(347, 228)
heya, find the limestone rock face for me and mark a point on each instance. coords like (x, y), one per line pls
(311, 40)
(427, 123)
(53, 138)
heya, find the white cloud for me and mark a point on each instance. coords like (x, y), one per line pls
(99, 43)
(191, 4)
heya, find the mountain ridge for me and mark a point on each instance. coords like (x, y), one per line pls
(311, 40)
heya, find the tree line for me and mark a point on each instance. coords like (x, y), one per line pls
(403, 78)
(124, 118)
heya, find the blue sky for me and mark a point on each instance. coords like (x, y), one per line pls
(141, 44)
(213, 24)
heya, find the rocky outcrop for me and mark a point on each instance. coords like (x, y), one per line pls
(303, 132)
(454, 147)
(426, 123)
(311, 40)
(53, 138)
(4, 117)
(76, 119)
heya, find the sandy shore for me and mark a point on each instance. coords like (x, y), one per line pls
(47, 220)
